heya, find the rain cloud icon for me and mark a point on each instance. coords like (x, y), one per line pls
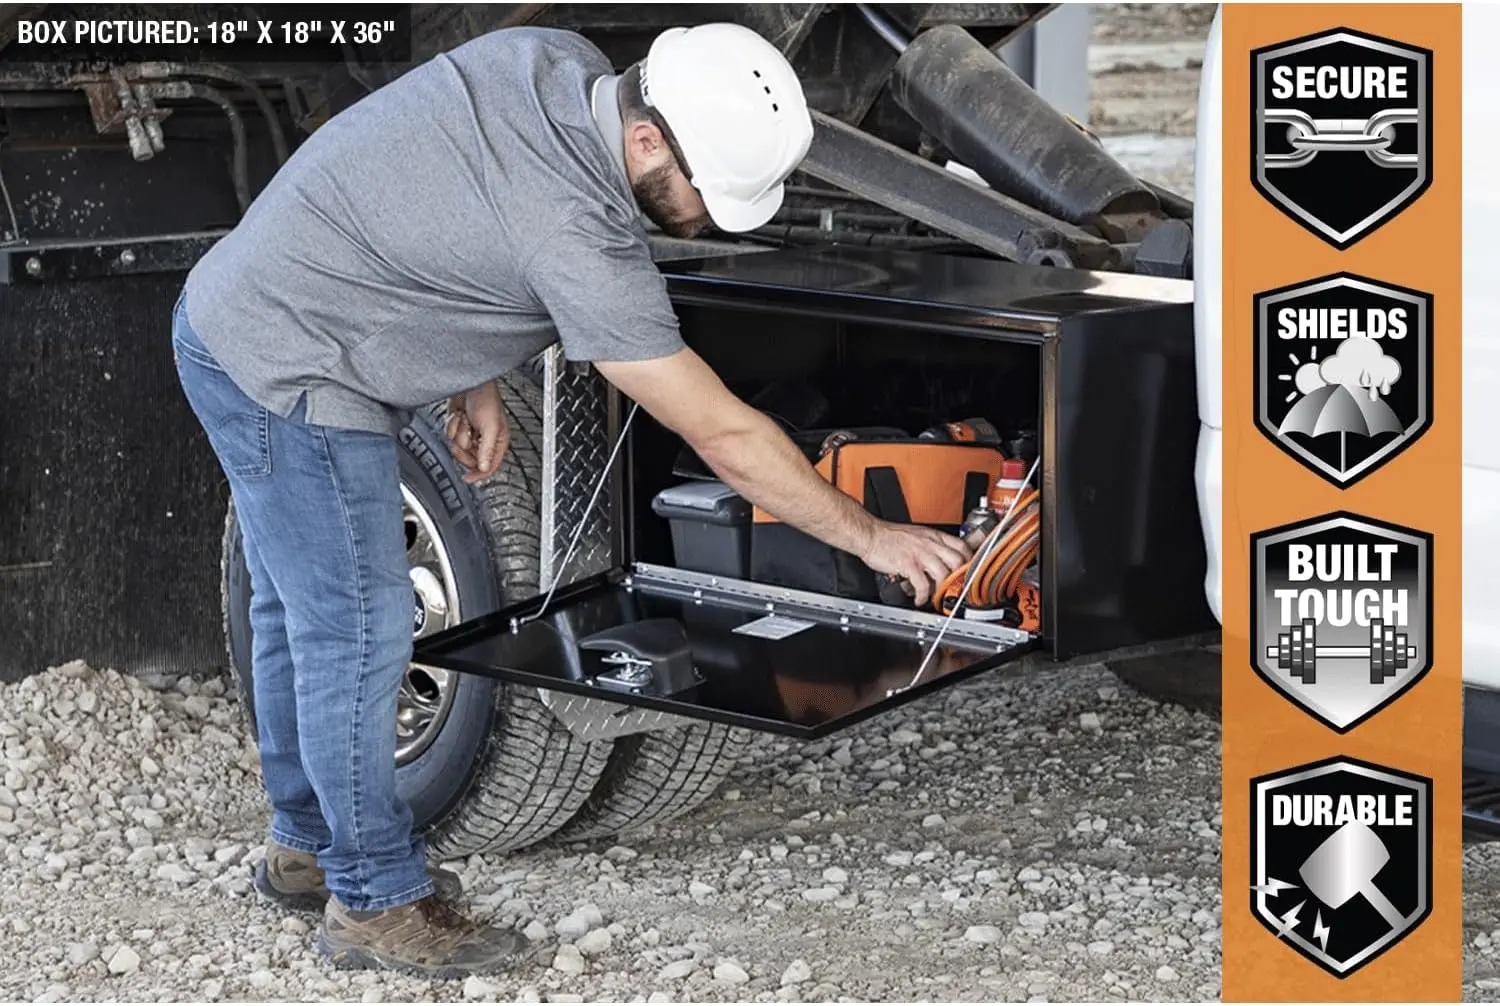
(1342, 393)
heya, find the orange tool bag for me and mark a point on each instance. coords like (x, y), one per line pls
(904, 481)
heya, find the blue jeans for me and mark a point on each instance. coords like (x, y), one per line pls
(331, 619)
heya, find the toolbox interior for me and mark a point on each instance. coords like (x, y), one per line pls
(818, 375)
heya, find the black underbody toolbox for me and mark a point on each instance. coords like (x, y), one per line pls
(1091, 373)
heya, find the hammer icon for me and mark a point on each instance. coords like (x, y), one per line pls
(1346, 865)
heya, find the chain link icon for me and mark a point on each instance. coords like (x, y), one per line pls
(1308, 136)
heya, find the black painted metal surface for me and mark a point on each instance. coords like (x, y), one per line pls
(111, 504)
(808, 685)
(970, 296)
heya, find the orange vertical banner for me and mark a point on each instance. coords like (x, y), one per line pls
(1343, 706)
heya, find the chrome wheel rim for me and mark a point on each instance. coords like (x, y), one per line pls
(426, 695)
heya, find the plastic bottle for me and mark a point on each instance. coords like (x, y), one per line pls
(1008, 486)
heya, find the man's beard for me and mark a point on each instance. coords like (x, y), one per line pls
(653, 193)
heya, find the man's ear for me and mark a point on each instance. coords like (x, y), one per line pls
(644, 140)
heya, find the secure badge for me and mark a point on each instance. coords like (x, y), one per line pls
(1341, 869)
(1343, 373)
(1341, 614)
(1341, 132)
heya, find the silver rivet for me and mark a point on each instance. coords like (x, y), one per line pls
(127, 257)
(33, 266)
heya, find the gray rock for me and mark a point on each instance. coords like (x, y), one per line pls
(572, 926)
(175, 874)
(983, 934)
(80, 954)
(536, 931)
(595, 942)
(477, 988)
(569, 961)
(820, 894)
(124, 961)
(698, 889)
(834, 875)
(1167, 973)
(678, 970)
(1033, 920)
(730, 973)
(796, 973)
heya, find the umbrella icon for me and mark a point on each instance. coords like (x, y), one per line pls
(1343, 396)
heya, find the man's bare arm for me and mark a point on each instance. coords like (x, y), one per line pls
(752, 454)
(744, 447)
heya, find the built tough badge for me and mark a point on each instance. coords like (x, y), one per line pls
(1343, 373)
(1341, 864)
(1341, 614)
(1341, 133)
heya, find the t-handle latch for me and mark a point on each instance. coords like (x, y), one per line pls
(649, 657)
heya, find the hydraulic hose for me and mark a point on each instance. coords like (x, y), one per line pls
(240, 168)
(227, 74)
(889, 33)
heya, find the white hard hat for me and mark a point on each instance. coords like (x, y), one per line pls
(737, 112)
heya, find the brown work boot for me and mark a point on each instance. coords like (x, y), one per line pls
(425, 938)
(294, 880)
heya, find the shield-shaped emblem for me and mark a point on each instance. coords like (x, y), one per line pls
(1341, 614)
(1343, 372)
(1341, 859)
(1341, 130)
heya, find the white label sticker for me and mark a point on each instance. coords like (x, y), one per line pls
(774, 627)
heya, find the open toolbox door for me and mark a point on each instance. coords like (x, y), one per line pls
(703, 647)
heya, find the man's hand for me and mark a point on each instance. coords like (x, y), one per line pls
(478, 433)
(919, 555)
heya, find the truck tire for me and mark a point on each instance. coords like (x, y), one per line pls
(655, 777)
(1190, 678)
(482, 763)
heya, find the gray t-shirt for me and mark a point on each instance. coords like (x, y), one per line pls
(435, 235)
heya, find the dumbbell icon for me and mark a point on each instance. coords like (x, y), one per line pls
(1297, 652)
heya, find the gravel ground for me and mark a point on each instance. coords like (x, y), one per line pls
(1042, 835)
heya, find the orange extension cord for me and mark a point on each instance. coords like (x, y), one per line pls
(999, 578)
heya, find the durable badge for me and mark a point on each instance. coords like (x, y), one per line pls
(1341, 614)
(1342, 862)
(1341, 130)
(1343, 373)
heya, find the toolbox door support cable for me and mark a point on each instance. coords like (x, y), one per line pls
(583, 521)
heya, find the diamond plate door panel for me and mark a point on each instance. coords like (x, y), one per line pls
(575, 454)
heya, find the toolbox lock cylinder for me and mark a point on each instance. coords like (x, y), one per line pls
(994, 123)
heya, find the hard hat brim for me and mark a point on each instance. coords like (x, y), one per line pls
(735, 215)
